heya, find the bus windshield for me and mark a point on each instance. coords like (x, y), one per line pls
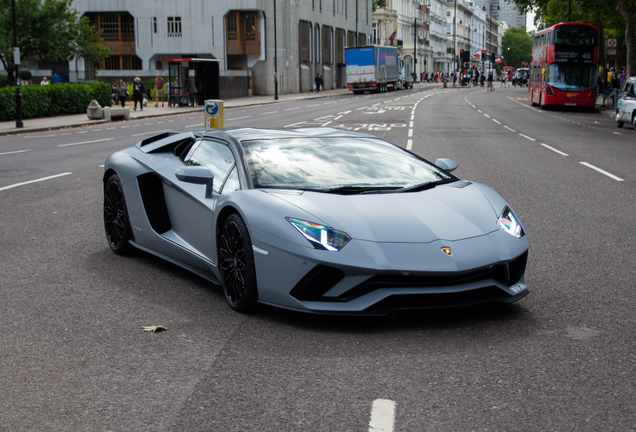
(575, 35)
(571, 76)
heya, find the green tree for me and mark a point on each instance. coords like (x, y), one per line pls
(49, 30)
(612, 17)
(378, 4)
(516, 47)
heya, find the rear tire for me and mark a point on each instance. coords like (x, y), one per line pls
(236, 262)
(116, 222)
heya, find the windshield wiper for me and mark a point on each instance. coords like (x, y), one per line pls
(353, 190)
(425, 186)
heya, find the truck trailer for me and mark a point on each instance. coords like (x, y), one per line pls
(374, 68)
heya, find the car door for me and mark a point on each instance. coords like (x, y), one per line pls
(191, 213)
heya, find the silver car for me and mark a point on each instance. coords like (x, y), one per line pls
(626, 104)
(316, 220)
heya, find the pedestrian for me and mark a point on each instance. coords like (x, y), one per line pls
(138, 93)
(192, 91)
(159, 86)
(317, 83)
(122, 93)
(490, 86)
(45, 81)
(114, 94)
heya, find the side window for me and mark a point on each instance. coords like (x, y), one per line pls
(214, 155)
(232, 183)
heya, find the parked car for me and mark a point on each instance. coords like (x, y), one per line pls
(626, 104)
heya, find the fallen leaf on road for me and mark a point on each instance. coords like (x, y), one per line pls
(154, 328)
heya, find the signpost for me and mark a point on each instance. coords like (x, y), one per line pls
(214, 114)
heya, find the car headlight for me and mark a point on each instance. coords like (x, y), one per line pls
(509, 222)
(320, 236)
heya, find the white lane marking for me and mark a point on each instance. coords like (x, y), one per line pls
(292, 109)
(597, 169)
(510, 129)
(34, 181)
(496, 121)
(14, 152)
(410, 124)
(486, 115)
(68, 133)
(410, 133)
(554, 150)
(86, 142)
(101, 166)
(295, 124)
(409, 144)
(480, 111)
(124, 127)
(527, 137)
(191, 126)
(327, 123)
(149, 133)
(38, 136)
(309, 106)
(616, 133)
(238, 118)
(271, 112)
(382, 416)
(111, 128)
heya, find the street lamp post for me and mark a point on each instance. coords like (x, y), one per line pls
(18, 96)
(415, 49)
(275, 58)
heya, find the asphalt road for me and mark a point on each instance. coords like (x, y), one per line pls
(73, 355)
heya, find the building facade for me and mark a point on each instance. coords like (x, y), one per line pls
(310, 38)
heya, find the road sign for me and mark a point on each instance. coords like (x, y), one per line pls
(214, 114)
(611, 49)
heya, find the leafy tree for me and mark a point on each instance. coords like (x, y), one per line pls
(516, 47)
(378, 4)
(49, 30)
(612, 17)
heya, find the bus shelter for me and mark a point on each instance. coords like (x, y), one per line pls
(203, 84)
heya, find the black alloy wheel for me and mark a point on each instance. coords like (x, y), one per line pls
(116, 221)
(236, 260)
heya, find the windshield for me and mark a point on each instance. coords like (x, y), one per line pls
(575, 35)
(335, 163)
(571, 76)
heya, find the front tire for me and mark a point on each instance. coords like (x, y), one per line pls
(116, 223)
(236, 261)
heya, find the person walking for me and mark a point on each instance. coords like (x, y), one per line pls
(490, 86)
(317, 83)
(138, 93)
(192, 91)
(122, 93)
(159, 87)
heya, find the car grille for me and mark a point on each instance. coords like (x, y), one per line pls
(322, 278)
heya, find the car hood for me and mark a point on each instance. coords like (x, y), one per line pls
(447, 212)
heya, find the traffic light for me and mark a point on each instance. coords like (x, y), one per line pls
(461, 55)
(483, 54)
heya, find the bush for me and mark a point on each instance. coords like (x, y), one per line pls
(4, 80)
(52, 100)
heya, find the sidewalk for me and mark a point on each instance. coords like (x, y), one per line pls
(78, 120)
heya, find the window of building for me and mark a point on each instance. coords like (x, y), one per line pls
(174, 26)
(154, 25)
(159, 65)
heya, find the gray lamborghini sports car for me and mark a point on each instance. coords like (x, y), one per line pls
(317, 220)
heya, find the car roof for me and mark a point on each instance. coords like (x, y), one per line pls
(247, 134)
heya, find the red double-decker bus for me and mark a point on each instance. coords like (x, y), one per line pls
(564, 66)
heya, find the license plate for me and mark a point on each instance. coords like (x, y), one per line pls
(362, 86)
(570, 104)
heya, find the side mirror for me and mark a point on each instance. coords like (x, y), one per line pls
(197, 175)
(446, 164)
